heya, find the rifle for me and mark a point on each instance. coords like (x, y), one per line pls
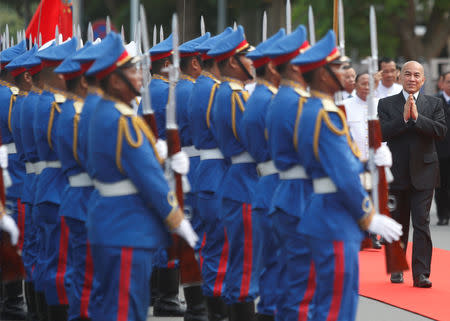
(189, 269)
(395, 255)
(148, 113)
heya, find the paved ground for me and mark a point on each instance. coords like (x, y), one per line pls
(372, 310)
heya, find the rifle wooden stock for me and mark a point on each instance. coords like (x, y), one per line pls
(151, 122)
(395, 254)
(11, 264)
(189, 268)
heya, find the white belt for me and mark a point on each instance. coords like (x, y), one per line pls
(325, 185)
(29, 168)
(213, 153)
(266, 168)
(120, 188)
(80, 180)
(40, 166)
(11, 148)
(191, 151)
(243, 157)
(295, 172)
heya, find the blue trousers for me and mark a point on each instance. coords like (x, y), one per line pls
(81, 269)
(298, 284)
(123, 289)
(53, 258)
(214, 252)
(244, 268)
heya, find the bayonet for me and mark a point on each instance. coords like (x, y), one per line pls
(12, 41)
(161, 33)
(341, 28)
(18, 36)
(288, 17)
(79, 34)
(202, 26)
(30, 42)
(234, 25)
(264, 26)
(122, 34)
(108, 25)
(40, 39)
(173, 75)
(56, 35)
(90, 33)
(155, 35)
(312, 28)
(7, 36)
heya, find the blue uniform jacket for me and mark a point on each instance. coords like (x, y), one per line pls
(67, 142)
(290, 195)
(135, 220)
(16, 169)
(325, 149)
(254, 137)
(210, 172)
(28, 143)
(227, 112)
(51, 181)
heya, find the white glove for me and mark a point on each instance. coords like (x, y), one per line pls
(186, 231)
(7, 181)
(3, 156)
(7, 224)
(386, 227)
(179, 163)
(161, 148)
(383, 156)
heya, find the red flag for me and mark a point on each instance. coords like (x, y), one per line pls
(48, 15)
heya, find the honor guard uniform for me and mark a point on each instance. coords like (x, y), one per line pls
(294, 188)
(133, 202)
(75, 195)
(253, 125)
(13, 302)
(241, 278)
(332, 225)
(51, 181)
(208, 178)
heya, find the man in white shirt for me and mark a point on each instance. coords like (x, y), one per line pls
(387, 86)
(356, 109)
(349, 82)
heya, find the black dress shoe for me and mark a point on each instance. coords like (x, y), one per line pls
(422, 282)
(443, 221)
(397, 277)
(375, 243)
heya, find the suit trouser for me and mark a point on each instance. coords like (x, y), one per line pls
(442, 195)
(415, 204)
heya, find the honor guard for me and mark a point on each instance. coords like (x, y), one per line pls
(134, 207)
(191, 68)
(208, 177)
(13, 304)
(51, 181)
(74, 197)
(253, 125)
(241, 280)
(294, 188)
(331, 228)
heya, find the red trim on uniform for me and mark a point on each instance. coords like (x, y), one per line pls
(309, 293)
(171, 264)
(248, 252)
(338, 284)
(279, 60)
(231, 52)
(86, 65)
(35, 69)
(62, 262)
(16, 72)
(21, 222)
(222, 269)
(73, 75)
(154, 57)
(260, 62)
(50, 63)
(188, 54)
(317, 64)
(87, 285)
(205, 56)
(103, 73)
(4, 64)
(200, 250)
(126, 259)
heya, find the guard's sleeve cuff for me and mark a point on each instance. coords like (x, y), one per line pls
(173, 220)
(365, 221)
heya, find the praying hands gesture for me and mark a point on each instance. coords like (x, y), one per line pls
(410, 109)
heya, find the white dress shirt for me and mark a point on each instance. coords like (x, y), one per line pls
(382, 91)
(357, 115)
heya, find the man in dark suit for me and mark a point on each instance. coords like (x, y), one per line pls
(410, 124)
(442, 193)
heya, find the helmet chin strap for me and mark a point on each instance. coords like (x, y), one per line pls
(127, 82)
(333, 75)
(249, 76)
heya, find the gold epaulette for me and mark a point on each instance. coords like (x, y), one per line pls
(269, 86)
(236, 86)
(329, 105)
(124, 109)
(15, 91)
(60, 98)
(78, 106)
(210, 75)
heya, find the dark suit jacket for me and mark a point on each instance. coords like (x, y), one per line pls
(443, 146)
(415, 160)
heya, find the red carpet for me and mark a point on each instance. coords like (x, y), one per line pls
(432, 303)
